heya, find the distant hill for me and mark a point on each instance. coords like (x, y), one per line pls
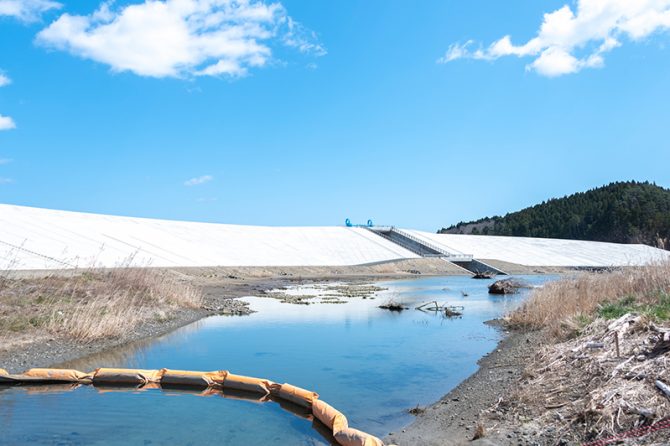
(622, 212)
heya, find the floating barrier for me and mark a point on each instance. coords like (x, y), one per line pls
(306, 403)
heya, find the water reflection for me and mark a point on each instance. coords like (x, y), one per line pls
(371, 364)
(132, 354)
(299, 412)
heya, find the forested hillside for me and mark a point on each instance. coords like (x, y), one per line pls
(623, 212)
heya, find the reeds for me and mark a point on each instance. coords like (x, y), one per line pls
(92, 303)
(564, 306)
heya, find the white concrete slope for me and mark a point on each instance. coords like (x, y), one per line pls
(32, 238)
(545, 252)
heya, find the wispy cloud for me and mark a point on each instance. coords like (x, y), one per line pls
(570, 40)
(4, 180)
(27, 10)
(181, 38)
(206, 199)
(306, 41)
(4, 161)
(198, 180)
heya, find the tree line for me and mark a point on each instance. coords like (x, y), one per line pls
(621, 212)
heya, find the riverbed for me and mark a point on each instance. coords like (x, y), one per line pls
(372, 364)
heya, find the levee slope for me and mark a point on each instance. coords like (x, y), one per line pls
(32, 238)
(546, 252)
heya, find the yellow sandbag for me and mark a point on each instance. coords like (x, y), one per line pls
(60, 375)
(126, 376)
(247, 384)
(354, 437)
(187, 378)
(294, 394)
(328, 415)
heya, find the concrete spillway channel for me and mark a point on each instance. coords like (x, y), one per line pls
(427, 249)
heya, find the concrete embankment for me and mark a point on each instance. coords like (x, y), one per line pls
(35, 239)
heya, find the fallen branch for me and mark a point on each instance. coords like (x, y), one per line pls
(663, 387)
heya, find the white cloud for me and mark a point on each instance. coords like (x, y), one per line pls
(6, 123)
(4, 161)
(27, 10)
(570, 40)
(178, 38)
(4, 80)
(4, 180)
(198, 180)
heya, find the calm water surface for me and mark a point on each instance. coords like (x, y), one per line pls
(371, 364)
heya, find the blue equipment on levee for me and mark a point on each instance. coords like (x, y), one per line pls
(351, 225)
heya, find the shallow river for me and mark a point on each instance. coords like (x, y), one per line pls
(369, 363)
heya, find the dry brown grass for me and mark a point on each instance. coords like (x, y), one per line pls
(565, 306)
(91, 304)
(595, 373)
(577, 393)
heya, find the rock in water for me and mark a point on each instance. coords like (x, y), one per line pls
(506, 286)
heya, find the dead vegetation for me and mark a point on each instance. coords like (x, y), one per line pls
(605, 364)
(90, 304)
(582, 390)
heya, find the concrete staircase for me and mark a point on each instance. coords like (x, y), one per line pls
(427, 249)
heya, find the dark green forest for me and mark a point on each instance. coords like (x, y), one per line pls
(622, 212)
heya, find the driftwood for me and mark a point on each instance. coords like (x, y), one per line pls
(663, 387)
(449, 311)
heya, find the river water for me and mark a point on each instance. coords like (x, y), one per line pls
(371, 364)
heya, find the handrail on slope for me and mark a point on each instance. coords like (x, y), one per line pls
(443, 252)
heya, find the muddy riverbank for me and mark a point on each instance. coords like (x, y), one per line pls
(454, 419)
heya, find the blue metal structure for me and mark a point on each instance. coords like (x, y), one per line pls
(349, 224)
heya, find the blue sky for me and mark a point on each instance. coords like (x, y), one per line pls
(418, 114)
